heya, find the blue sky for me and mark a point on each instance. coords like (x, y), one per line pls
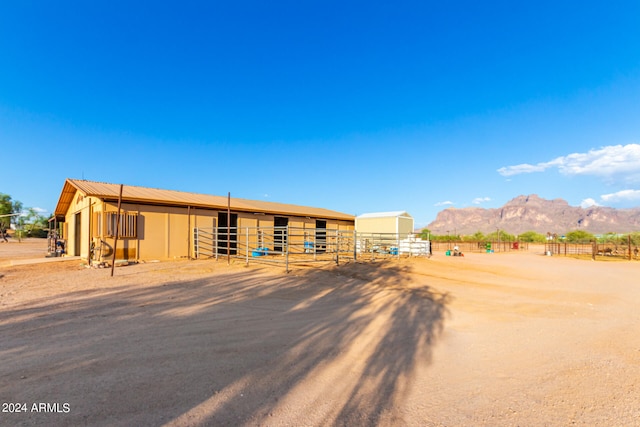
(352, 106)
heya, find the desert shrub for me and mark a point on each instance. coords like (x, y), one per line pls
(579, 236)
(532, 237)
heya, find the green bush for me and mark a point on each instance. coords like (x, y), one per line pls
(579, 236)
(532, 237)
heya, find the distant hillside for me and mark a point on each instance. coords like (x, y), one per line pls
(525, 213)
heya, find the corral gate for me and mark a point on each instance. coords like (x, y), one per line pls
(205, 242)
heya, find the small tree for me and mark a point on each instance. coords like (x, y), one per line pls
(439, 238)
(579, 236)
(478, 236)
(34, 223)
(532, 237)
(7, 210)
(425, 234)
(500, 235)
(635, 238)
(27, 223)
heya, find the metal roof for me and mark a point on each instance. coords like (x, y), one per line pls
(155, 196)
(385, 214)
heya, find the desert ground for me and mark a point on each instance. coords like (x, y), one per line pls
(504, 339)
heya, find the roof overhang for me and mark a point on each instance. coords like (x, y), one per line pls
(152, 196)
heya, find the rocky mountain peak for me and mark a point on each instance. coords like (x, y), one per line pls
(533, 213)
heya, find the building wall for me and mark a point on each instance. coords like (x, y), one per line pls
(405, 225)
(162, 232)
(83, 207)
(402, 225)
(385, 224)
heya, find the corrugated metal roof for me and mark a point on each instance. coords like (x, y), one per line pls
(384, 214)
(132, 193)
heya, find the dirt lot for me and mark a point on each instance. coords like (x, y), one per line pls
(486, 339)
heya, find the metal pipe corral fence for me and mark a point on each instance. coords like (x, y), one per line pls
(292, 245)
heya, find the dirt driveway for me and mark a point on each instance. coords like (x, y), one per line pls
(486, 339)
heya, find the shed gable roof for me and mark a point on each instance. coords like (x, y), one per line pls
(385, 214)
(155, 196)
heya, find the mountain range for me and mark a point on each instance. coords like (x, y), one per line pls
(533, 213)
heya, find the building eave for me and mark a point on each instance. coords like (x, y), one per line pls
(135, 194)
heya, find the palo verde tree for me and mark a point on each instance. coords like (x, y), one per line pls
(8, 208)
(532, 237)
(33, 224)
(579, 236)
(478, 236)
(500, 235)
(27, 222)
(635, 238)
(614, 238)
(620, 239)
(425, 234)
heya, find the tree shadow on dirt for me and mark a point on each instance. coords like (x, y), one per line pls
(244, 347)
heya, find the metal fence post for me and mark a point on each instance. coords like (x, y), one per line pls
(355, 242)
(373, 248)
(286, 248)
(215, 233)
(195, 242)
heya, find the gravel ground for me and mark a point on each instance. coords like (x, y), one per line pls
(486, 339)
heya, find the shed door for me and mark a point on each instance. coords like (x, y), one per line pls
(77, 229)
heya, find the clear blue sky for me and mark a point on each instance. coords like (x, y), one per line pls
(352, 106)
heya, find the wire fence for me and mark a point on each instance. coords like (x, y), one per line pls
(595, 250)
(483, 246)
(291, 245)
(603, 251)
(287, 246)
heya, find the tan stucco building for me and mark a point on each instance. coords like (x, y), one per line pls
(159, 224)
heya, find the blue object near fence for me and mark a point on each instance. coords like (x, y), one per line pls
(260, 252)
